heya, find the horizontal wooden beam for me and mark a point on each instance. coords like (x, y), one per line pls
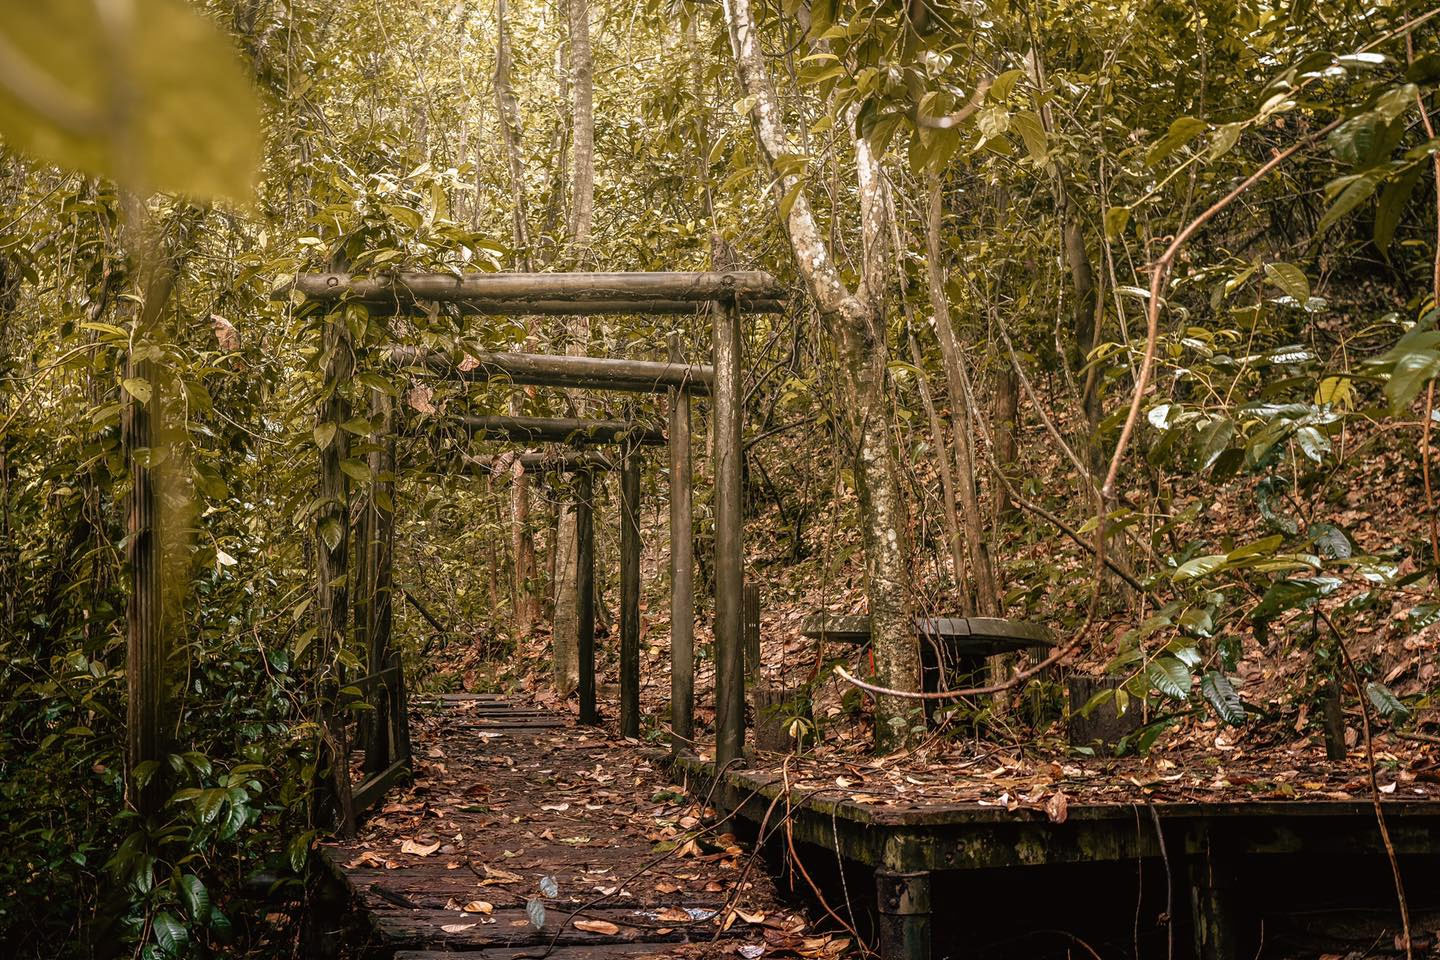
(412, 306)
(534, 463)
(590, 373)
(563, 430)
(515, 288)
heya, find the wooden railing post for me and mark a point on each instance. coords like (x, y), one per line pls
(585, 592)
(682, 569)
(630, 592)
(379, 533)
(729, 541)
(146, 653)
(332, 545)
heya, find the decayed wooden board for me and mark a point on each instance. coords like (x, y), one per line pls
(589, 951)
(507, 799)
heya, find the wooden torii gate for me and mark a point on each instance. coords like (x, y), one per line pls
(729, 294)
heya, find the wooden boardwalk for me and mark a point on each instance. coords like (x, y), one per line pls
(513, 806)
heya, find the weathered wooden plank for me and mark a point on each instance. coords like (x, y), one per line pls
(542, 287)
(562, 370)
(562, 430)
(589, 951)
(510, 927)
(402, 305)
(545, 462)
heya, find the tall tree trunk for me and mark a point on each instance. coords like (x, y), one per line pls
(856, 322)
(957, 381)
(1005, 411)
(582, 212)
(522, 544)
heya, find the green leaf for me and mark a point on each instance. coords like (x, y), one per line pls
(1223, 699)
(1354, 193)
(331, 532)
(150, 95)
(1412, 371)
(358, 425)
(1199, 567)
(1032, 131)
(324, 434)
(1182, 131)
(137, 388)
(356, 469)
(1225, 139)
(1385, 702)
(196, 897)
(1290, 279)
(1213, 441)
(1392, 206)
(1169, 676)
(1116, 220)
(788, 201)
(170, 933)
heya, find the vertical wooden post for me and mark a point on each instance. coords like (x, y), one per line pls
(332, 544)
(379, 552)
(682, 569)
(585, 592)
(729, 543)
(751, 623)
(904, 900)
(145, 654)
(630, 592)
(1212, 902)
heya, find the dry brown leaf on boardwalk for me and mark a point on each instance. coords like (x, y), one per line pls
(419, 849)
(370, 858)
(479, 906)
(1057, 808)
(457, 927)
(597, 926)
(499, 875)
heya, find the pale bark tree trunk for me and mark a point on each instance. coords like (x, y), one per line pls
(855, 319)
(1005, 411)
(522, 544)
(957, 381)
(582, 213)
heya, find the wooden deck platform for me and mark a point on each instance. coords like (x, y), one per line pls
(1213, 846)
(514, 807)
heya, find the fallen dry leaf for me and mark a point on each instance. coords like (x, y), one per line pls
(419, 849)
(598, 926)
(479, 906)
(1057, 808)
(457, 927)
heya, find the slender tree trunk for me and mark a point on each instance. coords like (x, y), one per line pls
(953, 537)
(1006, 409)
(957, 380)
(857, 323)
(521, 542)
(582, 212)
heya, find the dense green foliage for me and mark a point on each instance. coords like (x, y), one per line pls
(1297, 334)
